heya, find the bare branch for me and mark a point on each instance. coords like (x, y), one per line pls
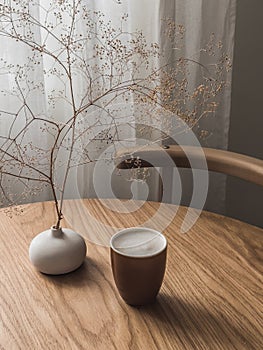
(95, 73)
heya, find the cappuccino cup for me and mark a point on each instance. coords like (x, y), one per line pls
(138, 260)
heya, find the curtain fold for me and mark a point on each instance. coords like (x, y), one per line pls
(203, 21)
(200, 18)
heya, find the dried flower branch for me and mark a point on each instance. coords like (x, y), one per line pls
(78, 59)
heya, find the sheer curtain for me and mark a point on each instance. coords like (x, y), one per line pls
(14, 57)
(200, 18)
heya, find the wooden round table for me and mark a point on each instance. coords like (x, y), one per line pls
(211, 297)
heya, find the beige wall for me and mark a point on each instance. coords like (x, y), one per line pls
(244, 200)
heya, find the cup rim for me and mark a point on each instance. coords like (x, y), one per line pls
(141, 229)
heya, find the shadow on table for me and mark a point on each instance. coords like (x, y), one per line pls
(194, 323)
(77, 278)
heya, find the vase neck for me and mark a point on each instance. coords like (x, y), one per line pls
(56, 232)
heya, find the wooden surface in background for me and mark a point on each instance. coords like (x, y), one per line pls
(211, 297)
(221, 161)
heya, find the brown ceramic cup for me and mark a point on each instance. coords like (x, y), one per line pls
(138, 260)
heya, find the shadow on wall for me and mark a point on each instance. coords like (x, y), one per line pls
(244, 200)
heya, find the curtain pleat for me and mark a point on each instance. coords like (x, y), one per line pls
(200, 18)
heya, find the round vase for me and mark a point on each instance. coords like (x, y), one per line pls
(57, 251)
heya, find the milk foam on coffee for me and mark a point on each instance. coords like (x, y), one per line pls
(139, 242)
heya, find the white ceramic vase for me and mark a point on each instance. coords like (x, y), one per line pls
(57, 251)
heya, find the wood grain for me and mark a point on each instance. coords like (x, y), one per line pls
(211, 297)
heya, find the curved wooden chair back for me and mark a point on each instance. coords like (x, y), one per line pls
(230, 163)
